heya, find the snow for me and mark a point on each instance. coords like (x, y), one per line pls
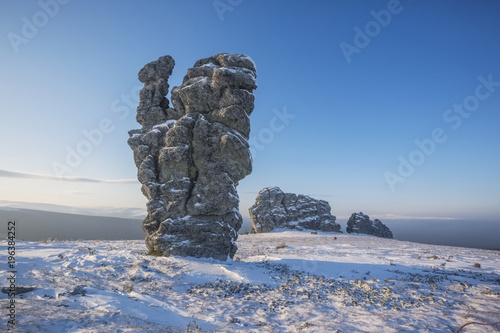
(233, 197)
(251, 60)
(283, 281)
(231, 70)
(236, 135)
(167, 123)
(173, 190)
(239, 71)
(210, 64)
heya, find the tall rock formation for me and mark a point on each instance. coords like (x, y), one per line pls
(275, 209)
(360, 223)
(191, 157)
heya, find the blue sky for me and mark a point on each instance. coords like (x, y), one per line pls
(351, 118)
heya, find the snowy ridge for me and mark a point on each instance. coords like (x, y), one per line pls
(283, 281)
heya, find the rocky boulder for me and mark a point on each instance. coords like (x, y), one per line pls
(360, 223)
(275, 209)
(191, 156)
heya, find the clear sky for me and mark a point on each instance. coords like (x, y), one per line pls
(345, 88)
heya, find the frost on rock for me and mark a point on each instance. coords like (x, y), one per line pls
(191, 156)
(360, 223)
(275, 209)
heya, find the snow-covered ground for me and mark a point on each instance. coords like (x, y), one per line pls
(284, 281)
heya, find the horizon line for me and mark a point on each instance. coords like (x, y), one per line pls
(28, 175)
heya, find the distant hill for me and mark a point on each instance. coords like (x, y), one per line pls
(39, 224)
(123, 212)
(35, 225)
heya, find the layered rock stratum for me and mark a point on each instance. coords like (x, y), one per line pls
(191, 156)
(360, 223)
(275, 209)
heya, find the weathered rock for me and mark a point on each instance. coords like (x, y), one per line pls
(191, 157)
(360, 223)
(275, 209)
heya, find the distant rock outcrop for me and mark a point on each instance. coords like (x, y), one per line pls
(191, 157)
(361, 223)
(275, 209)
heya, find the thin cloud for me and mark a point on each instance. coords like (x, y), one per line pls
(321, 195)
(311, 195)
(26, 175)
(407, 217)
(76, 192)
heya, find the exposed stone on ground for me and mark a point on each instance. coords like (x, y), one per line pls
(360, 223)
(275, 209)
(191, 157)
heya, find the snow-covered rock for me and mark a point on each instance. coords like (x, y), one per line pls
(191, 157)
(275, 209)
(360, 223)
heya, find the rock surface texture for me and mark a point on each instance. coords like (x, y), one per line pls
(191, 156)
(360, 223)
(275, 209)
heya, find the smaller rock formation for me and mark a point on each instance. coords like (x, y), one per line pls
(360, 223)
(275, 209)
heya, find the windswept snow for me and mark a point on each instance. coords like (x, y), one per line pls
(284, 281)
